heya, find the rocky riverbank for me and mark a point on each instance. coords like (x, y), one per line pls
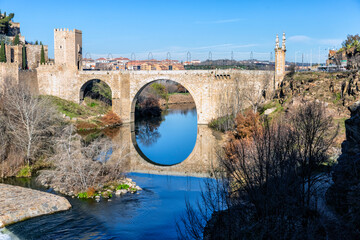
(106, 191)
(18, 204)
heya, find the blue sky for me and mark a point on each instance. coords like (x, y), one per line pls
(125, 27)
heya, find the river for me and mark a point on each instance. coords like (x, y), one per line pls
(149, 214)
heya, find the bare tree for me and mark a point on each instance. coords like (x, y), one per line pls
(77, 167)
(268, 182)
(4, 143)
(30, 120)
(313, 137)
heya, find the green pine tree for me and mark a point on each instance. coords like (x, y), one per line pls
(41, 43)
(24, 61)
(36, 42)
(2, 52)
(42, 58)
(16, 40)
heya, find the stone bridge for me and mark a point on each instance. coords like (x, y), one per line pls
(216, 93)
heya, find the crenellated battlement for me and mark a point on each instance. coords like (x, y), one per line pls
(28, 70)
(47, 64)
(67, 30)
(9, 64)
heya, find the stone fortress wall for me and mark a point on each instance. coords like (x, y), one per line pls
(33, 53)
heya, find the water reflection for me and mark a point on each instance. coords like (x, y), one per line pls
(169, 139)
(147, 130)
(161, 145)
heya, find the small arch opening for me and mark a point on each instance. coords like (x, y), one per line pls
(95, 92)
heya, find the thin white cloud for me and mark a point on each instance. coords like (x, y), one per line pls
(220, 21)
(309, 40)
(299, 38)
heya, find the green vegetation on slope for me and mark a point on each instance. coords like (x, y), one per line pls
(92, 107)
(102, 89)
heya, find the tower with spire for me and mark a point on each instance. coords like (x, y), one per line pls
(280, 59)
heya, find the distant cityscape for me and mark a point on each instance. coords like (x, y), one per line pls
(122, 64)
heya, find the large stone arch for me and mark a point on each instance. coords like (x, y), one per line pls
(144, 83)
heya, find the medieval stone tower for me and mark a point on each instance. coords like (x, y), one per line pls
(280, 59)
(68, 47)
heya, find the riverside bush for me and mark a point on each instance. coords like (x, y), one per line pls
(222, 124)
(122, 186)
(24, 172)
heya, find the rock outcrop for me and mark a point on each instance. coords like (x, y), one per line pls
(344, 194)
(18, 204)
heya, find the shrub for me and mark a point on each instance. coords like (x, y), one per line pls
(245, 124)
(24, 172)
(90, 192)
(222, 124)
(111, 118)
(160, 90)
(148, 107)
(83, 195)
(122, 186)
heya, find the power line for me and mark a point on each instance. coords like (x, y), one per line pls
(133, 57)
(188, 57)
(150, 56)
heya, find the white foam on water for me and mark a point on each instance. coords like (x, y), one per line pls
(7, 235)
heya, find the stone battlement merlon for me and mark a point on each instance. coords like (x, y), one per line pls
(46, 64)
(8, 64)
(67, 30)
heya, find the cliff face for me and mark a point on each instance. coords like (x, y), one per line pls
(351, 146)
(337, 90)
(353, 58)
(344, 194)
(351, 55)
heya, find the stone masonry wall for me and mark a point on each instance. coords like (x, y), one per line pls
(67, 44)
(8, 72)
(29, 79)
(215, 93)
(33, 54)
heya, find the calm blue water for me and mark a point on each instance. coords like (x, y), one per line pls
(151, 214)
(170, 139)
